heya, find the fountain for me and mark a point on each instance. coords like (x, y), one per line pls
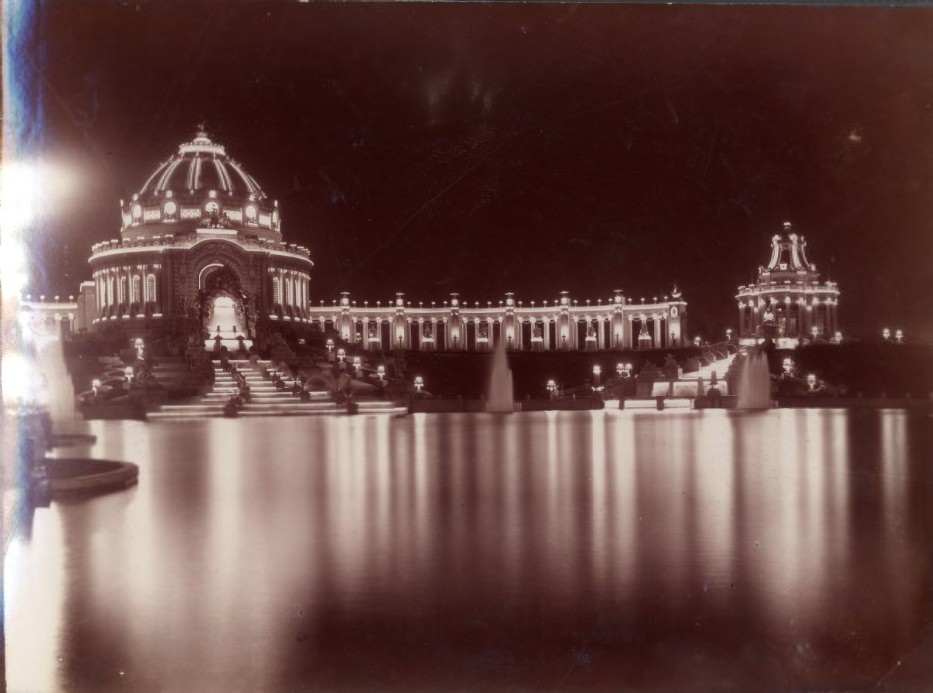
(43, 397)
(58, 384)
(500, 398)
(755, 382)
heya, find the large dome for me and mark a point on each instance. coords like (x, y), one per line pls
(200, 185)
(201, 165)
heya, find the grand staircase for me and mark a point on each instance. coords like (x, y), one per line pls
(719, 366)
(264, 400)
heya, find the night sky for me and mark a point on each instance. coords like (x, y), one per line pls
(432, 148)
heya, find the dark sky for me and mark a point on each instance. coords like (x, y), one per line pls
(431, 148)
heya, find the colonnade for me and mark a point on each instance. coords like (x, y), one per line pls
(131, 290)
(289, 289)
(458, 326)
(792, 317)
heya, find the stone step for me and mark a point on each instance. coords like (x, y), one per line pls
(381, 408)
(187, 405)
(289, 412)
(257, 383)
(267, 391)
(252, 410)
(289, 406)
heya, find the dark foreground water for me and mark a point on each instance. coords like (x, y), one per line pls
(575, 550)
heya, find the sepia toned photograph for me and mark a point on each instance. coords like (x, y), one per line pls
(466, 347)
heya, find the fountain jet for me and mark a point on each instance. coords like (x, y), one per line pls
(500, 396)
(755, 382)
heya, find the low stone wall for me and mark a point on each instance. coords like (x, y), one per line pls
(436, 406)
(121, 410)
(855, 403)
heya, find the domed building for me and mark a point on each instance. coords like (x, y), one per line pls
(201, 250)
(200, 247)
(788, 302)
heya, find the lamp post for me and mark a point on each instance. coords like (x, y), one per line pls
(552, 388)
(341, 355)
(381, 373)
(729, 335)
(899, 336)
(419, 383)
(886, 334)
(597, 371)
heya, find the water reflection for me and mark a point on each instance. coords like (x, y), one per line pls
(589, 549)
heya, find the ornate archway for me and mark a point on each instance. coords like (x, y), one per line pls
(223, 281)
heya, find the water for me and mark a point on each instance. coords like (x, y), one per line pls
(755, 382)
(501, 393)
(650, 551)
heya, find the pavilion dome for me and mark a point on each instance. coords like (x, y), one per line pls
(200, 183)
(201, 165)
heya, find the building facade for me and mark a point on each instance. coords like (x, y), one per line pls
(788, 302)
(201, 248)
(200, 245)
(457, 325)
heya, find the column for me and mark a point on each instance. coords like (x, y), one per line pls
(628, 332)
(157, 298)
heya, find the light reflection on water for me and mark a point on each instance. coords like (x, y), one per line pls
(697, 550)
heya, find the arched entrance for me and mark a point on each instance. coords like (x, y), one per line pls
(227, 312)
(225, 321)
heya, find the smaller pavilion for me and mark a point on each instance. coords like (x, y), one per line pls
(788, 303)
